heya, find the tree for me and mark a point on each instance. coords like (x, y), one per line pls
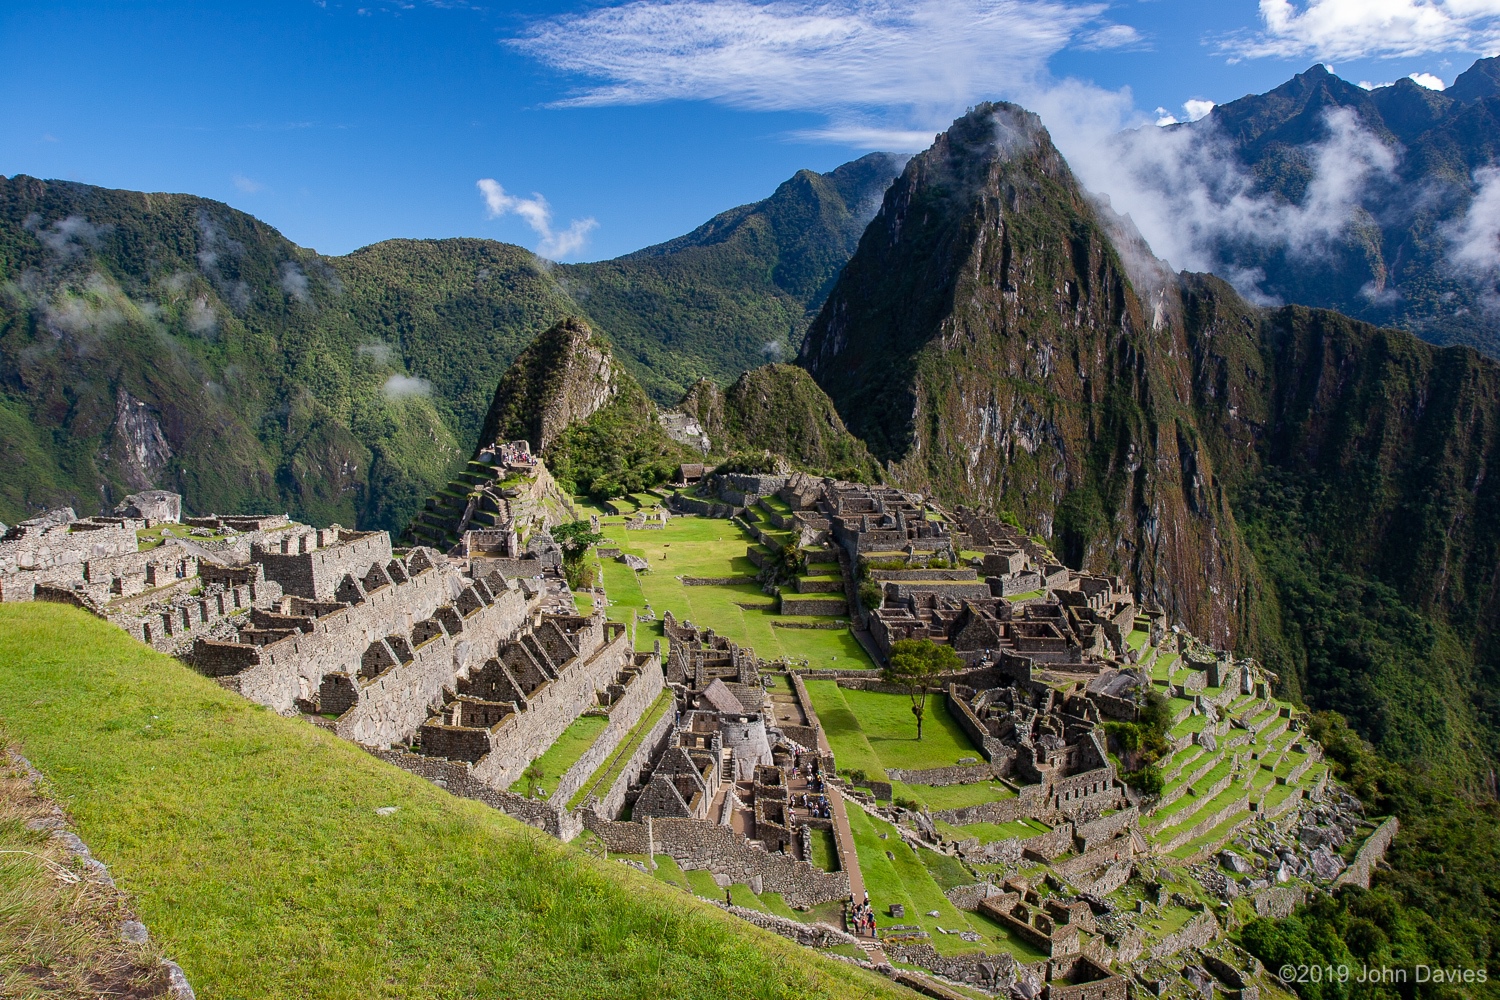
(575, 539)
(914, 665)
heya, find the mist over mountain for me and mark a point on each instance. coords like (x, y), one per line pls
(1383, 204)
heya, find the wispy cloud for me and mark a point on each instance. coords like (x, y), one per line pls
(246, 185)
(1189, 196)
(405, 387)
(537, 214)
(1359, 29)
(1474, 240)
(882, 74)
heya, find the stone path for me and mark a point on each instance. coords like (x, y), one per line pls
(849, 861)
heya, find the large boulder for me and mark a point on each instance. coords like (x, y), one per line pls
(151, 505)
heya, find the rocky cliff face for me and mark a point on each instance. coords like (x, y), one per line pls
(564, 376)
(779, 408)
(1401, 432)
(987, 343)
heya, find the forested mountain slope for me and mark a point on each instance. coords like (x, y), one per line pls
(169, 340)
(1289, 481)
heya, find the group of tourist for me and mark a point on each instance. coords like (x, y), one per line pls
(816, 806)
(862, 916)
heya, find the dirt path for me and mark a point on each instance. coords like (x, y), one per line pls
(849, 861)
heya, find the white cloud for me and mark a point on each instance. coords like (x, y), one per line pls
(377, 352)
(1164, 117)
(1360, 29)
(882, 74)
(1111, 36)
(1189, 196)
(405, 387)
(294, 282)
(201, 318)
(1367, 85)
(537, 214)
(1474, 240)
(1427, 80)
(1195, 108)
(246, 185)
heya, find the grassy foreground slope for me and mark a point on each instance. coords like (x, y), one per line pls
(254, 851)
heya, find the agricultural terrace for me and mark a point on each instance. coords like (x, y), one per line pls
(917, 878)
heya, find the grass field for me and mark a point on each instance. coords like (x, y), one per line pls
(714, 548)
(605, 774)
(254, 853)
(873, 731)
(906, 878)
(564, 752)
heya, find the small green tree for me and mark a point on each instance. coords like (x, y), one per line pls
(914, 665)
(575, 539)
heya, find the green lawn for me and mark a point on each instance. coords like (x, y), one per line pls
(1021, 829)
(904, 878)
(953, 796)
(604, 776)
(873, 727)
(825, 854)
(714, 548)
(252, 848)
(564, 752)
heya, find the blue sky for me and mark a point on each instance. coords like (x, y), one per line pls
(343, 124)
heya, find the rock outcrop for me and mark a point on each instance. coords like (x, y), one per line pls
(564, 376)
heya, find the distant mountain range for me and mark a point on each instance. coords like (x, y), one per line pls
(150, 339)
(1382, 204)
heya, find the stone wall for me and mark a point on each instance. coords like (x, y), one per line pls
(1092, 834)
(1198, 932)
(1114, 876)
(305, 569)
(697, 844)
(58, 541)
(293, 668)
(810, 935)
(524, 736)
(395, 702)
(1049, 845)
(1371, 851)
(1028, 803)
(1278, 900)
(640, 694)
(457, 777)
(623, 838)
(991, 972)
(991, 748)
(794, 605)
(967, 897)
(957, 774)
(612, 803)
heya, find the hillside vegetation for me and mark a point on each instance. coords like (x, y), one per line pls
(171, 341)
(256, 857)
